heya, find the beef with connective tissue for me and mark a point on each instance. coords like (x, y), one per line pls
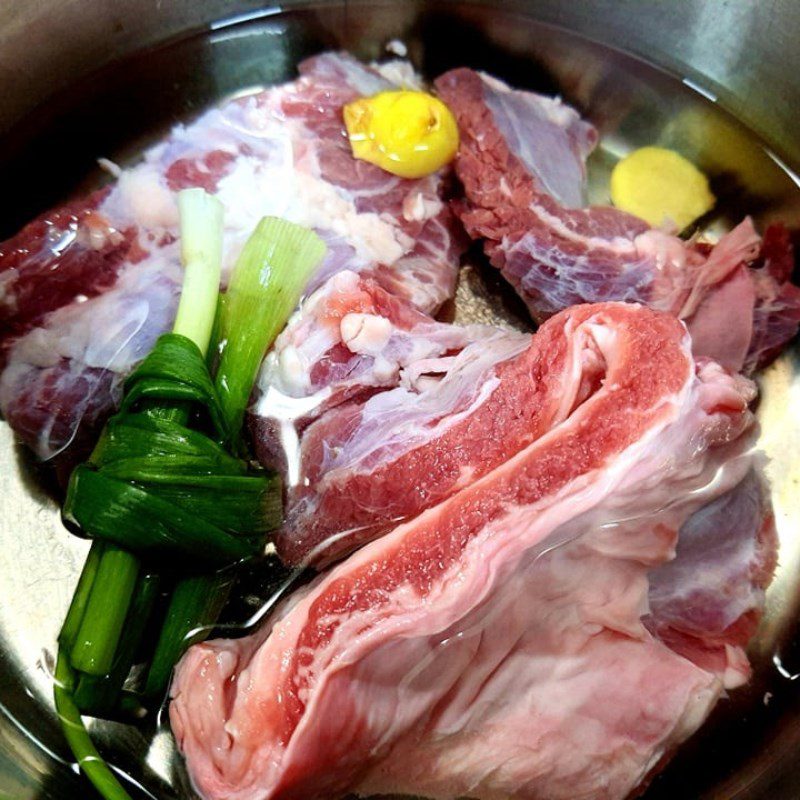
(85, 290)
(536, 634)
(374, 412)
(522, 164)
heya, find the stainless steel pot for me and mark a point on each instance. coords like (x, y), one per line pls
(84, 78)
(743, 50)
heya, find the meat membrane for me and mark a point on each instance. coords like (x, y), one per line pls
(528, 637)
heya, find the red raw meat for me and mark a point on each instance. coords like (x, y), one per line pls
(495, 646)
(366, 465)
(557, 253)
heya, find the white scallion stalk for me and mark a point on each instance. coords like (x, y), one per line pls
(201, 252)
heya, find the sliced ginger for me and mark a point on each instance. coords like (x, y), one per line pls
(661, 187)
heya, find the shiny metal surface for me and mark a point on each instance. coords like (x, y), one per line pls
(749, 749)
(743, 50)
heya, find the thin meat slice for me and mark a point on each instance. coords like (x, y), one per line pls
(556, 253)
(281, 151)
(494, 646)
(348, 340)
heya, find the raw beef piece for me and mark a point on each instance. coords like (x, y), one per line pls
(364, 466)
(281, 151)
(368, 464)
(63, 255)
(494, 646)
(347, 340)
(558, 254)
(64, 377)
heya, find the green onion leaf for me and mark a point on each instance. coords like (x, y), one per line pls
(172, 377)
(268, 280)
(141, 521)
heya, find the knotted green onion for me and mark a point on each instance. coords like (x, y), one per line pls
(108, 591)
(166, 491)
(158, 487)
